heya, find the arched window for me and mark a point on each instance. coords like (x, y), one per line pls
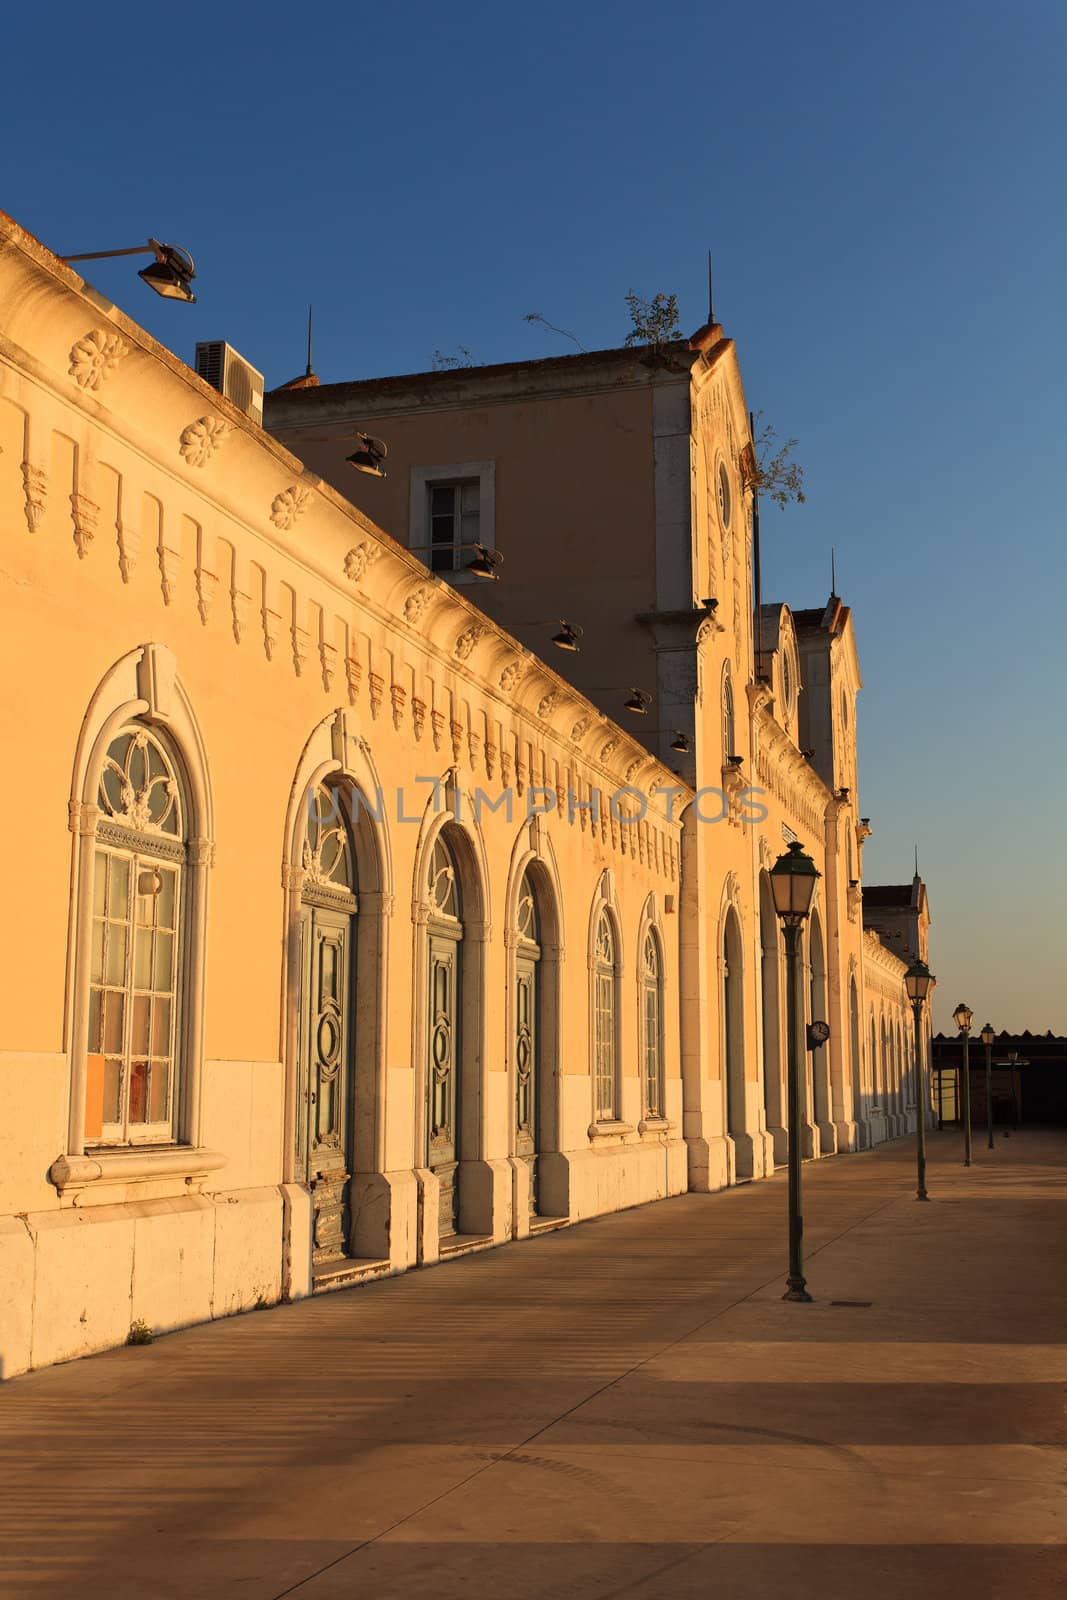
(652, 1025)
(605, 1020)
(445, 933)
(729, 730)
(134, 1043)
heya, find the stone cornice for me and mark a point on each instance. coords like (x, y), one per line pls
(152, 406)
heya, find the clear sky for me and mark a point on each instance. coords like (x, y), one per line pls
(883, 189)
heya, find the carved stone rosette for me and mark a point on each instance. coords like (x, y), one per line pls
(199, 441)
(415, 605)
(512, 676)
(468, 639)
(357, 561)
(286, 508)
(95, 357)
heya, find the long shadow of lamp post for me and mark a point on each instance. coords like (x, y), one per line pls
(918, 981)
(793, 878)
(963, 1016)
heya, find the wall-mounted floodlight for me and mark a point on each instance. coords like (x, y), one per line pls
(638, 701)
(169, 275)
(485, 563)
(568, 636)
(369, 455)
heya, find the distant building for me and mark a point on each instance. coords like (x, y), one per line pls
(1028, 1078)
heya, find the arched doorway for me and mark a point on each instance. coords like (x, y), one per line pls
(443, 1074)
(856, 1061)
(770, 1000)
(734, 1043)
(820, 1061)
(325, 1132)
(529, 1112)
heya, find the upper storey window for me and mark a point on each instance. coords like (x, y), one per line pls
(454, 523)
(452, 509)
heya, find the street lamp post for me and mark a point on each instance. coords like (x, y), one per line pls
(918, 981)
(963, 1016)
(987, 1037)
(792, 880)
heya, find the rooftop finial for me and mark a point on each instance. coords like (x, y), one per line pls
(310, 369)
(833, 573)
(711, 295)
(916, 862)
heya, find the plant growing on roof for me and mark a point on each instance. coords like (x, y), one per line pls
(655, 321)
(768, 467)
(535, 316)
(443, 363)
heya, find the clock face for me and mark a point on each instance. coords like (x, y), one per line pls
(725, 502)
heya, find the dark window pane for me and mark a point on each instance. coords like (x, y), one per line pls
(139, 1091)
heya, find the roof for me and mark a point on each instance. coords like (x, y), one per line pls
(683, 350)
(888, 894)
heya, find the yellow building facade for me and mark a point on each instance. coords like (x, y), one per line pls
(342, 933)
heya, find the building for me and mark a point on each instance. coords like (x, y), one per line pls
(1027, 1079)
(614, 487)
(345, 933)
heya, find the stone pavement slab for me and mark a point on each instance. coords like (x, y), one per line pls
(623, 1408)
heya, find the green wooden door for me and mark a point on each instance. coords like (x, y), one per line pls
(442, 1120)
(324, 1131)
(526, 1068)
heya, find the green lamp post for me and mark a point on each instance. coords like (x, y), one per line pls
(793, 879)
(918, 981)
(963, 1016)
(987, 1036)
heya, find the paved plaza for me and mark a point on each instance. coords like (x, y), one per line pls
(623, 1408)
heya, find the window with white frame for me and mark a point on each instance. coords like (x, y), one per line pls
(136, 946)
(451, 511)
(605, 1012)
(652, 1025)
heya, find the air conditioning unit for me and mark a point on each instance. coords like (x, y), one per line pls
(219, 364)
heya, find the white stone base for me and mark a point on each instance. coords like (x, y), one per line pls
(588, 1183)
(81, 1276)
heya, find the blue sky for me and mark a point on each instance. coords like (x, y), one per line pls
(883, 192)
